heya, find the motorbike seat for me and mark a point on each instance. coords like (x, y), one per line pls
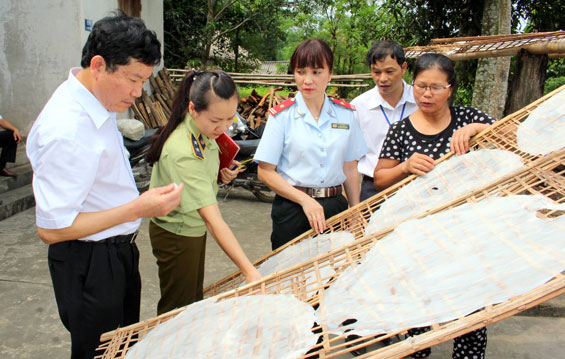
(133, 146)
(247, 147)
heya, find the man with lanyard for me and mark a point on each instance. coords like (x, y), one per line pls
(389, 101)
(88, 208)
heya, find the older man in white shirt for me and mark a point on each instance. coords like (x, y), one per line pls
(88, 208)
(389, 101)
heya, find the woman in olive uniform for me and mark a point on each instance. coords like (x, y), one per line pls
(186, 152)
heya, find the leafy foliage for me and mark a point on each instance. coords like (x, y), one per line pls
(555, 75)
(271, 29)
(193, 28)
(183, 24)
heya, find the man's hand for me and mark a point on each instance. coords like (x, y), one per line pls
(158, 202)
(17, 136)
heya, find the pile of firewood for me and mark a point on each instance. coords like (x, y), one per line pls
(254, 108)
(154, 110)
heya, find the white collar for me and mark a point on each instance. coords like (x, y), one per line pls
(96, 111)
(377, 100)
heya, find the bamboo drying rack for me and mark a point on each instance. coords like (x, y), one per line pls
(476, 47)
(542, 175)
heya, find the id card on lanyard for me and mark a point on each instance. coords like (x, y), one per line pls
(386, 117)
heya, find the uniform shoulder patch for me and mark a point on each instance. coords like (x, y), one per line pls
(198, 146)
(281, 106)
(343, 103)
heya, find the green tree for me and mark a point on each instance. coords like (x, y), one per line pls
(194, 27)
(529, 71)
(183, 24)
(232, 17)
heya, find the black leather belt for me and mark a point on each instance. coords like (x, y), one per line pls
(368, 179)
(121, 239)
(323, 192)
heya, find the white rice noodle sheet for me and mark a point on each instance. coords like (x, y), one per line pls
(258, 326)
(447, 265)
(305, 250)
(447, 181)
(544, 129)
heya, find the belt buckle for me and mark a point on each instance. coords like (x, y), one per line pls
(317, 192)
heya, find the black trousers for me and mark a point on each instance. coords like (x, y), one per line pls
(9, 147)
(368, 189)
(97, 289)
(289, 220)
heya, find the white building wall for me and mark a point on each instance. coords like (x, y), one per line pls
(40, 41)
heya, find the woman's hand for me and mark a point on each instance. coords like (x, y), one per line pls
(419, 164)
(315, 214)
(460, 139)
(229, 173)
(252, 276)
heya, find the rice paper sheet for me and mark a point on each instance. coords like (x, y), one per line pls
(447, 181)
(305, 250)
(258, 326)
(544, 129)
(447, 265)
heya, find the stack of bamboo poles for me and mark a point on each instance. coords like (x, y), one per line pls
(154, 110)
(540, 175)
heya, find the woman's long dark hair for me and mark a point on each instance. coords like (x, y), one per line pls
(195, 88)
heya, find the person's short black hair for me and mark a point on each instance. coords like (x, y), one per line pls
(381, 49)
(120, 38)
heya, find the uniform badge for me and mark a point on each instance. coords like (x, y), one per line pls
(285, 104)
(340, 126)
(198, 146)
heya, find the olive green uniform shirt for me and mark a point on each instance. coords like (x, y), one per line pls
(194, 164)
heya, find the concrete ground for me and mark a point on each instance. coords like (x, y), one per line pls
(30, 327)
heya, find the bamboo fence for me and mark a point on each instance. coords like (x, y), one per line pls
(353, 81)
(541, 175)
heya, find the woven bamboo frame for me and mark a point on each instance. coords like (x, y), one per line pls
(501, 135)
(540, 175)
(466, 48)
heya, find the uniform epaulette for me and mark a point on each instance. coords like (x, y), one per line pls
(343, 103)
(198, 146)
(281, 106)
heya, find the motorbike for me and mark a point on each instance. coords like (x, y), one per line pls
(248, 141)
(140, 168)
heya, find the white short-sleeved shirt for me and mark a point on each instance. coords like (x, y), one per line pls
(374, 124)
(78, 159)
(309, 153)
